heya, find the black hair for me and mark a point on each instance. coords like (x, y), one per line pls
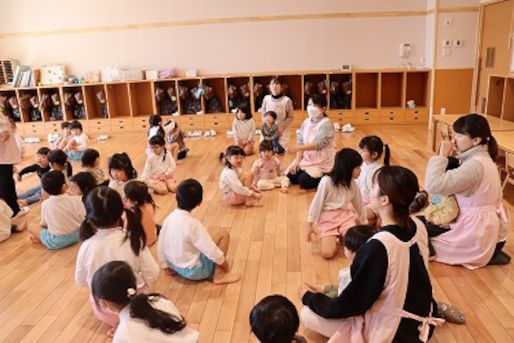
(453, 163)
(104, 209)
(112, 282)
(356, 236)
(52, 182)
(402, 188)
(65, 125)
(156, 120)
(89, 157)
(189, 194)
(319, 100)
(246, 110)
(85, 181)
(276, 80)
(231, 151)
(375, 145)
(346, 160)
(476, 126)
(274, 319)
(76, 125)
(137, 192)
(60, 158)
(266, 145)
(272, 114)
(121, 161)
(158, 140)
(43, 151)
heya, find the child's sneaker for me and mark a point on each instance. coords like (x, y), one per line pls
(230, 133)
(23, 211)
(207, 133)
(348, 128)
(337, 127)
(213, 133)
(102, 137)
(52, 137)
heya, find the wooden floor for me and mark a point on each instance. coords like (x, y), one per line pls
(39, 301)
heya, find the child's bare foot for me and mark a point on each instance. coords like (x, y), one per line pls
(225, 278)
(284, 189)
(34, 239)
(21, 227)
(22, 202)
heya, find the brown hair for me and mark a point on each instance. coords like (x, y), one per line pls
(474, 125)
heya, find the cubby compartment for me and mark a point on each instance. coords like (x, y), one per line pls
(166, 97)
(293, 88)
(260, 90)
(391, 89)
(495, 96)
(28, 100)
(508, 104)
(74, 104)
(238, 92)
(340, 90)
(214, 95)
(118, 100)
(51, 103)
(416, 87)
(366, 86)
(314, 84)
(141, 99)
(190, 96)
(95, 99)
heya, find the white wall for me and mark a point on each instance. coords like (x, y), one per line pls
(464, 27)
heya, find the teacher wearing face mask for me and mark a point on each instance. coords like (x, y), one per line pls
(315, 149)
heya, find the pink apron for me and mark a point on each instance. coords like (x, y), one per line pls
(314, 162)
(472, 238)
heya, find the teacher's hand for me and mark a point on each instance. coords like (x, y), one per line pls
(293, 169)
(302, 290)
(4, 136)
(446, 148)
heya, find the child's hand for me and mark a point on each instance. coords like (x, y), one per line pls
(18, 177)
(311, 230)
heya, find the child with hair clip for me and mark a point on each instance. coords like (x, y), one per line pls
(61, 214)
(143, 317)
(243, 128)
(337, 204)
(109, 233)
(40, 168)
(120, 171)
(371, 149)
(159, 168)
(81, 183)
(91, 164)
(138, 199)
(186, 248)
(175, 140)
(267, 170)
(274, 319)
(236, 187)
(7, 227)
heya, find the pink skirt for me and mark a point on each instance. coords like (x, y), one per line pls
(234, 199)
(336, 222)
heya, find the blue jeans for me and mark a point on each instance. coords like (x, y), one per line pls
(277, 148)
(32, 195)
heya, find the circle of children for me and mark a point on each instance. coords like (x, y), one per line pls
(372, 209)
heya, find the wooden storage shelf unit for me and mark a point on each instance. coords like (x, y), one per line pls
(169, 103)
(366, 87)
(77, 109)
(188, 104)
(340, 91)
(218, 102)
(312, 84)
(94, 107)
(237, 85)
(118, 100)
(508, 103)
(27, 113)
(391, 89)
(55, 110)
(416, 87)
(292, 87)
(495, 96)
(141, 99)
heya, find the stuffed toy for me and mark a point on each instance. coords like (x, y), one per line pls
(100, 97)
(166, 100)
(172, 93)
(193, 102)
(259, 92)
(322, 87)
(244, 91)
(347, 94)
(234, 97)
(212, 101)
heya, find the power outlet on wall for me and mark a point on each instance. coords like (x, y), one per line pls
(446, 43)
(458, 43)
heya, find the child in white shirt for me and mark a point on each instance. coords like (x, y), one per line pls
(159, 167)
(337, 205)
(235, 186)
(155, 122)
(61, 214)
(186, 247)
(243, 128)
(6, 225)
(143, 317)
(78, 143)
(267, 170)
(104, 240)
(62, 139)
(120, 172)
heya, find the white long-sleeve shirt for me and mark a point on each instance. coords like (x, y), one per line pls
(230, 182)
(107, 245)
(62, 213)
(82, 142)
(183, 238)
(5, 220)
(244, 130)
(157, 165)
(331, 197)
(134, 330)
(365, 179)
(118, 186)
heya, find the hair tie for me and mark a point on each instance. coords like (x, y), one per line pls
(131, 292)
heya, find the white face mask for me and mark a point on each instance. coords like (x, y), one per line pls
(314, 112)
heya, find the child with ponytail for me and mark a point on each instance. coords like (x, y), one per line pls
(139, 200)
(143, 317)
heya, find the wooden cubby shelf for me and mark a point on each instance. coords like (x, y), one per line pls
(238, 92)
(215, 96)
(118, 100)
(340, 91)
(314, 84)
(95, 100)
(391, 89)
(141, 99)
(417, 86)
(366, 84)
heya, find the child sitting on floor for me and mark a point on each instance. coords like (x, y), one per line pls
(91, 164)
(267, 171)
(138, 199)
(78, 142)
(40, 168)
(269, 131)
(175, 140)
(120, 172)
(61, 214)
(81, 183)
(187, 248)
(159, 168)
(243, 128)
(63, 138)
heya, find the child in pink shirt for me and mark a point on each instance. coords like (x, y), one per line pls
(267, 170)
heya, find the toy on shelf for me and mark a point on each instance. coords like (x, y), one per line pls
(100, 97)
(166, 100)
(192, 99)
(212, 101)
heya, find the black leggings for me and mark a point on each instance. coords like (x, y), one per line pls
(8, 188)
(303, 179)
